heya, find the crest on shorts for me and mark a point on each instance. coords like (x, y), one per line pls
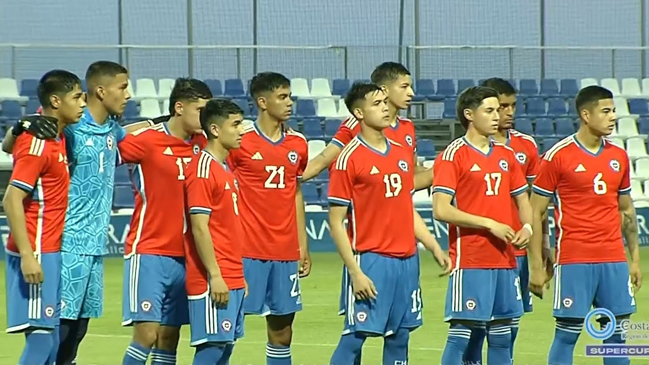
(196, 149)
(110, 142)
(226, 325)
(503, 165)
(146, 305)
(403, 165)
(292, 157)
(615, 165)
(49, 311)
(470, 304)
(409, 140)
(567, 302)
(521, 158)
(361, 316)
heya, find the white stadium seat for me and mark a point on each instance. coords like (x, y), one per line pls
(636, 148)
(320, 88)
(621, 106)
(617, 141)
(5, 158)
(313, 208)
(165, 106)
(646, 187)
(9, 91)
(150, 108)
(315, 147)
(129, 88)
(422, 197)
(645, 88)
(300, 88)
(636, 191)
(164, 88)
(343, 112)
(612, 85)
(632, 169)
(588, 82)
(627, 128)
(327, 108)
(631, 88)
(642, 169)
(145, 89)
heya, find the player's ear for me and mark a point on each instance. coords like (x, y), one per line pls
(261, 103)
(468, 114)
(357, 113)
(100, 92)
(178, 108)
(55, 101)
(384, 88)
(214, 129)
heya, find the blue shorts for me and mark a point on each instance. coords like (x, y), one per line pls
(273, 287)
(483, 295)
(82, 286)
(209, 323)
(398, 303)
(33, 306)
(154, 290)
(578, 287)
(523, 272)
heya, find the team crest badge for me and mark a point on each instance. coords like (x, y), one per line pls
(409, 140)
(470, 304)
(521, 158)
(403, 165)
(615, 165)
(110, 142)
(226, 325)
(196, 149)
(503, 165)
(361, 316)
(292, 157)
(567, 302)
(49, 311)
(146, 305)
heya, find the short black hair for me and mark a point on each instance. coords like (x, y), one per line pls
(503, 86)
(267, 82)
(56, 82)
(100, 69)
(186, 89)
(591, 95)
(388, 72)
(215, 112)
(472, 98)
(358, 92)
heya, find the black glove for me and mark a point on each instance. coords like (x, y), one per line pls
(162, 119)
(37, 125)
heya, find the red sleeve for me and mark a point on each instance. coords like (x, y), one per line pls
(132, 148)
(303, 160)
(347, 131)
(533, 165)
(200, 190)
(547, 178)
(446, 173)
(233, 157)
(30, 160)
(341, 182)
(517, 181)
(625, 184)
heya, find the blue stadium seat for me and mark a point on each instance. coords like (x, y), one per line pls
(11, 109)
(305, 108)
(122, 175)
(32, 106)
(84, 85)
(638, 106)
(331, 127)
(310, 194)
(340, 87)
(243, 104)
(254, 111)
(3, 133)
(449, 109)
(215, 86)
(549, 88)
(463, 84)
(528, 87)
(445, 88)
(512, 82)
(548, 143)
(292, 123)
(524, 125)
(426, 149)
(520, 110)
(29, 87)
(535, 107)
(323, 177)
(312, 129)
(324, 191)
(363, 81)
(643, 125)
(131, 112)
(425, 88)
(544, 127)
(569, 87)
(564, 127)
(234, 88)
(124, 197)
(557, 107)
(572, 108)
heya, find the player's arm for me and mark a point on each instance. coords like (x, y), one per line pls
(321, 161)
(444, 211)
(430, 242)
(133, 147)
(423, 178)
(300, 215)
(630, 227)
(200, 219)
(130, 128)
(337, 215)
(15, 210)
(37, 125)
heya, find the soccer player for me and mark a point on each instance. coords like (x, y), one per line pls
(154, 295)
(474, 182)
(215, 283)
(374, 175)
(35, 203)
(268, 167)
(588, 176)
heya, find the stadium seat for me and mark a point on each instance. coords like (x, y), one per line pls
(449, 109)
(631, 88)
(612, 85)
(422, 198)
(557, 107)
(589, 81)
(243, 104)
(520, 110)
(150, 108)
(343, 112)
(145, 89)
(547, 144)
(627, 128)
(310, 194)
(524, 125)
(130, 111)
(636, 148)
(643, 125)
(324, 190)
(300, 88)
(5, 158)
(340, 87)
(32, 106)
(636, 191)
(621, 106)
(129, 89)
(215, 86)
(445, 88)
(331, 127)
(463, 84)
(528, 87)
(316, 147)
(426, 149)
(312, 129)
(9, 91)
(234, 88)
(642, 170)
(569, 87)
(122, 175)
(292, 123)
(617, 141)
(320, 88)
(544, 127)
(535, 107)
(645, 88)
(572, 108)
(549, 88)
(305, 108)
(323, 177)
(124, 197)
(11, 109)
(425, 88)
(632, 169)
(327, 108)
(164, 88)
(29, 88)
(638, 106)
(564, 127)
(165, 106)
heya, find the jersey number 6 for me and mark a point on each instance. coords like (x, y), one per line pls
(599, 186)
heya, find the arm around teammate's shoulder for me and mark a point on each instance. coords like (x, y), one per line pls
(317, 164)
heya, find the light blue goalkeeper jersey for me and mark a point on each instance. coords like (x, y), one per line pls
(92, 156)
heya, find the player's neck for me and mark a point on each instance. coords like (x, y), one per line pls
(590, 141)
(394, 113)
(97, 110)
(374, 138)
(477, 140)
(270, 127)
(60, 124)
(176, 128)
(501, 136)
(217, 150)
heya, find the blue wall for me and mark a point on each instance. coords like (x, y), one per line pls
(370, 27)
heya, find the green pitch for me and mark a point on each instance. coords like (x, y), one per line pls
(317, 327)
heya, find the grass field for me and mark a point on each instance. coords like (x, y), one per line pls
(318, 327)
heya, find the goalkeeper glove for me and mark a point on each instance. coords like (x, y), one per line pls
(40, 126)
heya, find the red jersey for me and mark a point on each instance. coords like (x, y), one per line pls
(403, 132)
(527, 155)
(268, 173)
(211, 189)
(41, 169)
(379, 187)
(586, 188)
(482, 184)
(158, 221)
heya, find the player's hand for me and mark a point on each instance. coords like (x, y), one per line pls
(31, 269)
(521, 238)
(363, 287)
(548, 261)
(219, 291)
(245, 290)
(538, 278)
(502, 231)
(305, 264)
(636, 275)
(443, 261)
(39, 126)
